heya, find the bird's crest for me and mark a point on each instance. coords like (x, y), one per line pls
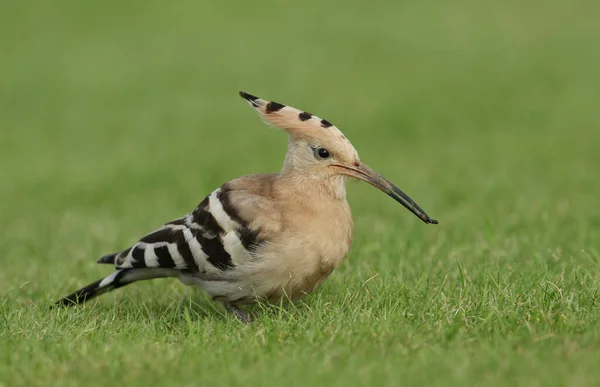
(294, 121)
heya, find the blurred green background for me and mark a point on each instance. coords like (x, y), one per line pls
(120, 115)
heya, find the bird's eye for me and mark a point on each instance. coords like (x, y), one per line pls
(323, 153)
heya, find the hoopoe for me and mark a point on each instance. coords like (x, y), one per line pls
(263, 236)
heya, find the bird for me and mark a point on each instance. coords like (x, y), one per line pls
(269, 236)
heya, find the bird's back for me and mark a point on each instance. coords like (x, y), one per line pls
(225, 229)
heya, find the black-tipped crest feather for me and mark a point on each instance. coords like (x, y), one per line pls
(249, 97)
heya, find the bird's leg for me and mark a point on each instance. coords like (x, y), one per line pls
(238, 313)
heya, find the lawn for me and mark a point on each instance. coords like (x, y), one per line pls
(118, 116)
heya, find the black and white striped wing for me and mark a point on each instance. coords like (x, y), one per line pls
(208, 240)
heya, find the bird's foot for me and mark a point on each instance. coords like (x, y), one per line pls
(238, 313)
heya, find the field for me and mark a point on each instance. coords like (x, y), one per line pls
(118, 116)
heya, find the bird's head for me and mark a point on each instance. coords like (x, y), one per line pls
(320, 150)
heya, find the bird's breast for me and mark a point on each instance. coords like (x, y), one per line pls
(307, 251)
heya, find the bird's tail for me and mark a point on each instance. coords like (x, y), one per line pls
(113, 281)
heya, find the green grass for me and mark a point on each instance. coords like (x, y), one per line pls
(118, 116)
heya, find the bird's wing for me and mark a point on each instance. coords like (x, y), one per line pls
(223, 231)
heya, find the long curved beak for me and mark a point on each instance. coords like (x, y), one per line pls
(363, 172)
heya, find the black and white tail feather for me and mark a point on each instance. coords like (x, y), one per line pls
(113, 281)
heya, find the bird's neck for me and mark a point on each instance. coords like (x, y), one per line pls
(332, 188)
